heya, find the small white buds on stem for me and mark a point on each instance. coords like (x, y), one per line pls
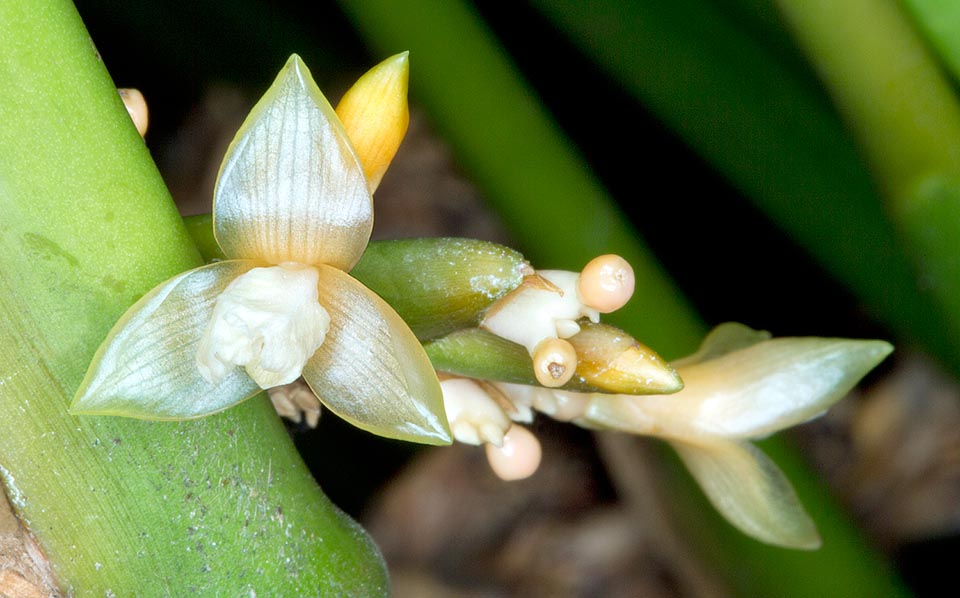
(547, 308)
(606, 283)
(554, 362)
(518, 457)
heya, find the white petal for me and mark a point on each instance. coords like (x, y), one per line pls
(291, 188)
(749, 490)
(775, 384)
(268, 320)
(146, 367)
(371, 370)
(747, 393)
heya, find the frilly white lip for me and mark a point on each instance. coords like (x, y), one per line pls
(269, 321)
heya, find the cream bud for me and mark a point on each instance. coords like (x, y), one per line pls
(606, 283)
(475, 418)
(518, 457)
(268, 320)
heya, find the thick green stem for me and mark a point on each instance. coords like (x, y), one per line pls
(121, 507)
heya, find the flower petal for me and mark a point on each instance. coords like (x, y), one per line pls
(371, 370)
(749, 490)
(375, 115)
(291, 188)
(748, 393)
(723, 339)
(146, 368)
(775, 384)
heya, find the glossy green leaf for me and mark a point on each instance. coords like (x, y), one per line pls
(291, 188)
(146, 368)
(751, 492)
(371, 370)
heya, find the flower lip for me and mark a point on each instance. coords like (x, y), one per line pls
(268, 320)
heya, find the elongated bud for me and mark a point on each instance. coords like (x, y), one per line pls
(375, 115)
(136, 107)
(612, 360)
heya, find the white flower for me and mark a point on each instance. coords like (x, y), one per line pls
(293, 214)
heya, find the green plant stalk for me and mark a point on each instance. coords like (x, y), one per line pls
(557, 214)
(905, 115)
(772, 132)
(940, 21)
(222, 505)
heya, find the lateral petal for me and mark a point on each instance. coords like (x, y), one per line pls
(752, 493)
(291, 188)
(371, 370)
(146, 368)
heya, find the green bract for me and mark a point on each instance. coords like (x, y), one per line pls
(291, 206)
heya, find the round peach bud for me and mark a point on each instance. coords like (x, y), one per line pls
(554, 362)
(137, 108)
(518, 458)
(606, 283)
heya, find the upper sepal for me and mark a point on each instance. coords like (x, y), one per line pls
(291, 188)
(371, 370)
(146, 368)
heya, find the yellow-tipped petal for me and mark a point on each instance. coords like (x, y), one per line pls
(146, 368)
(752, 493)
(614, 361)
(291, 188)
(375, 115)
(371, 370)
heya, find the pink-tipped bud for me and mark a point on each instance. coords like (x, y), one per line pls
(554, 362)
(518, 457)
(606, 283)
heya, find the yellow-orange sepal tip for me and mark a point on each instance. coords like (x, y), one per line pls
(375, 115)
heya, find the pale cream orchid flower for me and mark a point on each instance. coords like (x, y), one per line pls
(740, 386)
(293, 213)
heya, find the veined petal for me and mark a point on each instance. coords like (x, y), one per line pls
(749, 490)
(775, 384)
(146, 368)
(291, 188)
(375, 115)
(371, 370)
(749, 392)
